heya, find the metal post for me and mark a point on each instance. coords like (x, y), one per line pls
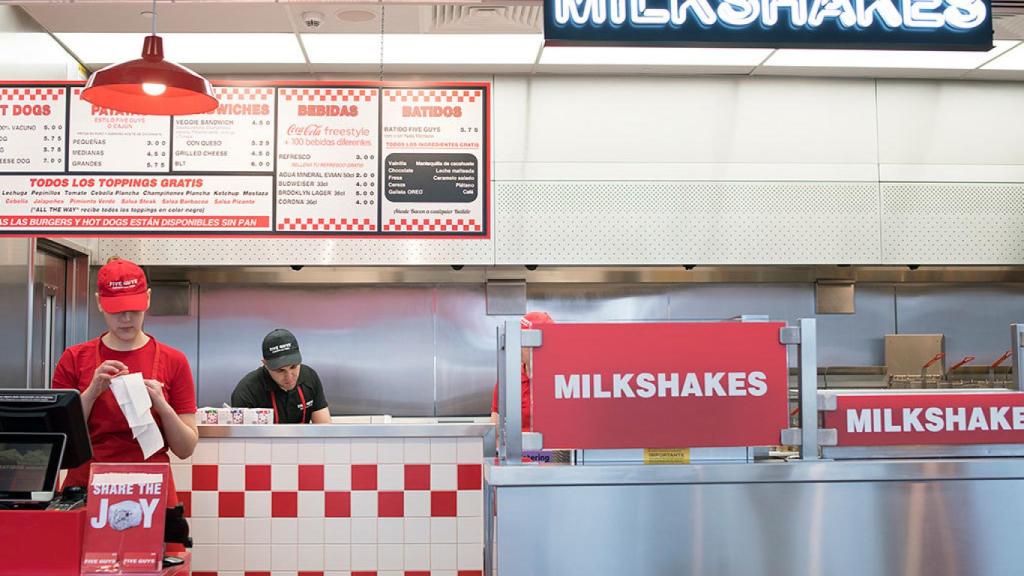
(1016, 341)
(488, 527)
(808, 365)
(512, 415)
(499, 426)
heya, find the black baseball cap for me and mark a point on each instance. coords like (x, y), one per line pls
(280, 348)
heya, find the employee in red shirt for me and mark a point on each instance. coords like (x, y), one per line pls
(529, 321)
(123, 297)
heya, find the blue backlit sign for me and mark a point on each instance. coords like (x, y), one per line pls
(880, 24)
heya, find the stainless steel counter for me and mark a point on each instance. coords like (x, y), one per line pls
(767, 472)
(883, 518)
(411, 430)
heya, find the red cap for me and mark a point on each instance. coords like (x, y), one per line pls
(122, 287)
(532, 319)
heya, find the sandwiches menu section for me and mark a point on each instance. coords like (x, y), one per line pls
(271, 160)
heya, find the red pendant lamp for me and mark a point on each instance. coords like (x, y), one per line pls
(150, 85)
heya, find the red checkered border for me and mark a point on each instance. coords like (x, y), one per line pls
(31, 94)
(432, 95)
(233, 93)
(431, 225)
(327, 94)
(326, 224)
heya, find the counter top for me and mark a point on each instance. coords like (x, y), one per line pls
(824, 471)
(404, 430)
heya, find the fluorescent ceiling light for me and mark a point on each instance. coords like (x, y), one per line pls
(636, 56)
(1010, 60)
(945, 60)
(423, 48)
(31, 48)
(189, 48)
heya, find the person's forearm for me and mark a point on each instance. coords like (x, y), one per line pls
(179, 436)
(88, 401)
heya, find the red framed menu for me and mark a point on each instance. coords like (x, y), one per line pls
(275, 159)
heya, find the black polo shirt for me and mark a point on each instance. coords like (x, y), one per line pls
(255, 388)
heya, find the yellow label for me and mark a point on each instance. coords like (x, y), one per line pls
(666, 455)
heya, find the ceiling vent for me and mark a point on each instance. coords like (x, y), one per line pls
(487, 19)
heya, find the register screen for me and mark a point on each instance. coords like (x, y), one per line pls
(23, 466)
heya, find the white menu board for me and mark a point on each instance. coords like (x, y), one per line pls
(32, 129)
(433, 160)
(236, 137)
(104, 140)
(276, 159)
(133, 202)
(327, 159)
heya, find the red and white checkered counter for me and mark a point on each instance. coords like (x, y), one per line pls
(335, 500)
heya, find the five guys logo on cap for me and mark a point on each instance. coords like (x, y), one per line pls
(122, 287)
(280, 348)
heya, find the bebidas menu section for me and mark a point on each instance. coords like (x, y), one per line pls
(316, 159)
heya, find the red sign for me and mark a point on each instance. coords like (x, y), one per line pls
(915, 419)
(672, 385)
(124, 529)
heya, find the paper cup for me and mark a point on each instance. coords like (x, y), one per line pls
(207, 415)
(264, 415)
(237, 415)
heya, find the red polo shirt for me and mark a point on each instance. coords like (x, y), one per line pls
(527, 399)
(108, 429)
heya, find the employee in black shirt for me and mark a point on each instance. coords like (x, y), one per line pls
(283, 383)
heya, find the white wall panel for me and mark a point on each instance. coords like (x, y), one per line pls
(952, 223)
(763, 122)
(320, 251)
(937, 123)
(686, 223)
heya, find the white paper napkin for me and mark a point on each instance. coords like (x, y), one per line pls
(133, 398)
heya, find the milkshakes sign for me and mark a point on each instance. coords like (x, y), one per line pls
(879, 24)
(928, 419)
(677, 385)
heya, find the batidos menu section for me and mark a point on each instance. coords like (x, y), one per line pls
(319, 159)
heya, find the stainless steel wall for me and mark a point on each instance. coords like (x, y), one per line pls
(428, 349)
(16, 272)
(857, 528)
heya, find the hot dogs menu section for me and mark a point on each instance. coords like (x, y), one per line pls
(273, 160)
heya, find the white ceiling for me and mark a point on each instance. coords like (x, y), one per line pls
(484, 37)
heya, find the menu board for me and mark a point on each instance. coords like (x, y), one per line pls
(104, 140)
(327, 159)
(274, 159)
(433, 154)
(238, 136)
(32, 129)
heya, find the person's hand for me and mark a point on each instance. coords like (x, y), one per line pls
(104, 373)
(156, 393)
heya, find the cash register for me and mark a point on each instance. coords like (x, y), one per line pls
(41, 432)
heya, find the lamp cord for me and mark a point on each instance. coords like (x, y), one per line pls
(154, 17)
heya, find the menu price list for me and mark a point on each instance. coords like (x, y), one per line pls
(32, 129)
(136, 203)
(327, 159)
(236, 137)
(104, 140)
(432, 143)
